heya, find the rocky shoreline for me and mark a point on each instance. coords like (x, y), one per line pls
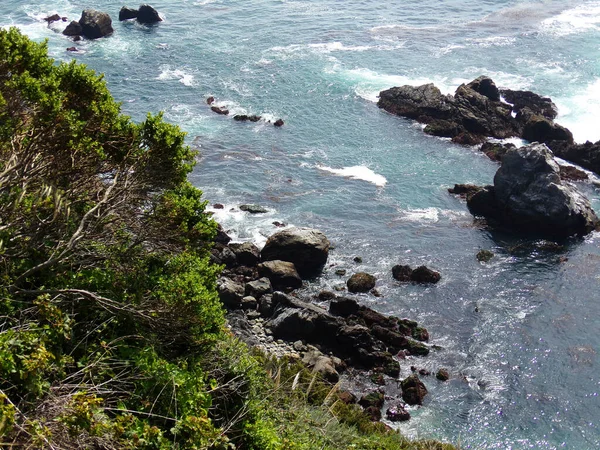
(333, 335)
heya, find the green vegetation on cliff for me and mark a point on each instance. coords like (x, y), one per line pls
(112, 335)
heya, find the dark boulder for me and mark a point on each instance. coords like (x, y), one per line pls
(73, 29)
(52, 18)
(423, 274)
(538, 128)
(282, 274)
(254, 209)
(423, 103)
(397, 414)
(279, 123)
(222, 237)
(147, 14)
(528, 195)
(484, 255)
(219, 110)
(586, 155)
(247, 254)
(401, 272)
(95, 24)
(442, 375)
(244, 118)
(519, 100)
(462, 190)
(486, 87)
(361, 282)
(127, 13)
(344, 307)
(495, 151)
(230, 293)
(306, 248)
(413, 390)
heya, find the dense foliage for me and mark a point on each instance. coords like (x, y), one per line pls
(112, 335)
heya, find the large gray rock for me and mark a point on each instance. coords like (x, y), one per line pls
(282, 274)
(95, 24)
(529, 195)
(307, 248)
(230, 292)
(147, 14)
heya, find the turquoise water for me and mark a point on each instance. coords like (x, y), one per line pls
(525, 365)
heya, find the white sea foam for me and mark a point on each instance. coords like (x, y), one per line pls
(357, 173)
(583, 18)
(580, 113)
(182, 76)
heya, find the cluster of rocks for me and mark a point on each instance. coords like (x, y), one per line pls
(238, 117)
(476, 111)
(97, 24)
(258, 289)
(479, 110)
(529, 195)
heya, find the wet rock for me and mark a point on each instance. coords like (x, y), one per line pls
(247, 254)
(586, 155)
(306, 248)
(357, 259)
(95, 24)
(397, 413)
(377, 378)
(543, 106)
(486, 87)
(219, 110)
(73, 29)
(361, 282)
(484, 255)
(442, 375)
(423, 275)
(528, 195)
(127, 13)
(413, 390)
(571, 173)
(246, 118)
(420, 334)
(253, 209)
(401, 272)
(537, 128)
(148, 15)
(464, 191)
(230, 292)
(495, 151)
(279, 224)
(259, 287)
(210, 100)
(218, 206)
(340, 272)
(424, 372)
(222, 237)
(282, 274)
(326, 296)
(279, 123)
(344, 307)
(72, 49)
(52, 18)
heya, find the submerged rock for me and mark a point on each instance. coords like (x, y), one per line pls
(254, 209)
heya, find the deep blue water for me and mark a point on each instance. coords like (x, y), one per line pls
(525, 366)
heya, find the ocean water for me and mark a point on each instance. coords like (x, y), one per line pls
(519, 335)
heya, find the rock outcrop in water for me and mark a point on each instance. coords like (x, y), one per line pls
(476, 112)
(528, 195)
(145, 14)
(92, 25)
